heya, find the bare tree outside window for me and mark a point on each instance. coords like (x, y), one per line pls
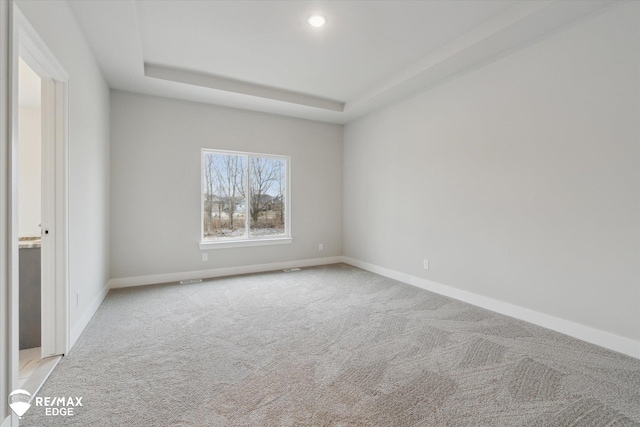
(224, 195)
(266, 183)
(244, 196)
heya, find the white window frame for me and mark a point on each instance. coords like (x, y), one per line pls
(247, 240)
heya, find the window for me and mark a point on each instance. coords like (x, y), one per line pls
(245, 199)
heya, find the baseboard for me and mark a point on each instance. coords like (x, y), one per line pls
(585, 333)
(87, 316)
(219, 272)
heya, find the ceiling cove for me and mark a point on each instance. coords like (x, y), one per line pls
(264, 55)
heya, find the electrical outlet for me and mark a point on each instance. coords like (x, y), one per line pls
(205, 256)
(321, 247)
(425, 264)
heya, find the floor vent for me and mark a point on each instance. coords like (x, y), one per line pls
(291, 270)
(188, 282)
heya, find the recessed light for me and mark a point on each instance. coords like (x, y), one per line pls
(317, 20)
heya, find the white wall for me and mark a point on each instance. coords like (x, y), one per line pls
(88, 155)
(29, 151)
(518, 181)
(155, 182)
(29, 172)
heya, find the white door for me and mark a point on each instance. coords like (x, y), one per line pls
(48, 230)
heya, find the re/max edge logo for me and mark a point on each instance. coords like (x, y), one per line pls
(59, 406)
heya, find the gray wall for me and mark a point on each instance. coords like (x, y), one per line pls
(88, 153)
(155, 181)
(518, 181)
(30, 297)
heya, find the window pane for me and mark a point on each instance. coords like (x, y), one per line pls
(267, 179)
(224, 196)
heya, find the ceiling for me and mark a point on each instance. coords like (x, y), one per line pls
(263, 56)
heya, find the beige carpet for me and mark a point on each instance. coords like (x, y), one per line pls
(329, 346)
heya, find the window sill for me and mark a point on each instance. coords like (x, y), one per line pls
(206, 245)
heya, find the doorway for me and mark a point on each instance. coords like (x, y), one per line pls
(29, 220)
(39, 189)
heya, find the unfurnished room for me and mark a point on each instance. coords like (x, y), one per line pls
(319, 213)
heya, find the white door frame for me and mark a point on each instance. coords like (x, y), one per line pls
(55, 308)
(8, 298)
